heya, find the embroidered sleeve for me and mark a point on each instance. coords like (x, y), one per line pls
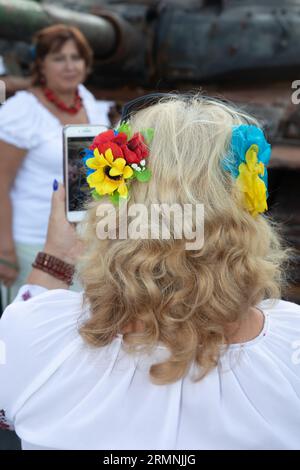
(28, 291)
(4, 423)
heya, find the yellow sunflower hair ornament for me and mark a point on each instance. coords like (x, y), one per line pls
(249, 154)
(115, 158)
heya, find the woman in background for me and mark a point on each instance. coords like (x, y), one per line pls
(31, 155)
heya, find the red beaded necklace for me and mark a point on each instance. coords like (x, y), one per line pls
(73, 109)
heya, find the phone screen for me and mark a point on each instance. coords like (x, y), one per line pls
(78, 189)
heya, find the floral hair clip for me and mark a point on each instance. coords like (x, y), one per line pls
(249, 154)
(115, 158)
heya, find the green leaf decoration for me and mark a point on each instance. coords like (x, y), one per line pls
(115, 198)
(125, 127)
(143, 176)
(96, 196)
(148, 135)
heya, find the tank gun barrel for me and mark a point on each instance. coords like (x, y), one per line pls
(20, 19)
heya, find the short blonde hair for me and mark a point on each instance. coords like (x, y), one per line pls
(185, 299)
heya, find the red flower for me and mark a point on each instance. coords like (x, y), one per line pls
(135, 150)
(107, 140)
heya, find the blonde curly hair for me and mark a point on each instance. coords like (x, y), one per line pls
(184, 299)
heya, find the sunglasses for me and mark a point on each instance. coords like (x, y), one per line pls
(142, 102)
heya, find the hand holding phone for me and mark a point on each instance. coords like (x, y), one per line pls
(62, 238)
(75, 139)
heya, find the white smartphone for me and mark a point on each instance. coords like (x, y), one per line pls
(75, 139)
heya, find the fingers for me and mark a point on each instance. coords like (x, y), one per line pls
(58, 200)
(8, 282)
(8, 275)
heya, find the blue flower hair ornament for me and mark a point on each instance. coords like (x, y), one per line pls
(246, 161)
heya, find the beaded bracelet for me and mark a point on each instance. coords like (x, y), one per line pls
(55, 267)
